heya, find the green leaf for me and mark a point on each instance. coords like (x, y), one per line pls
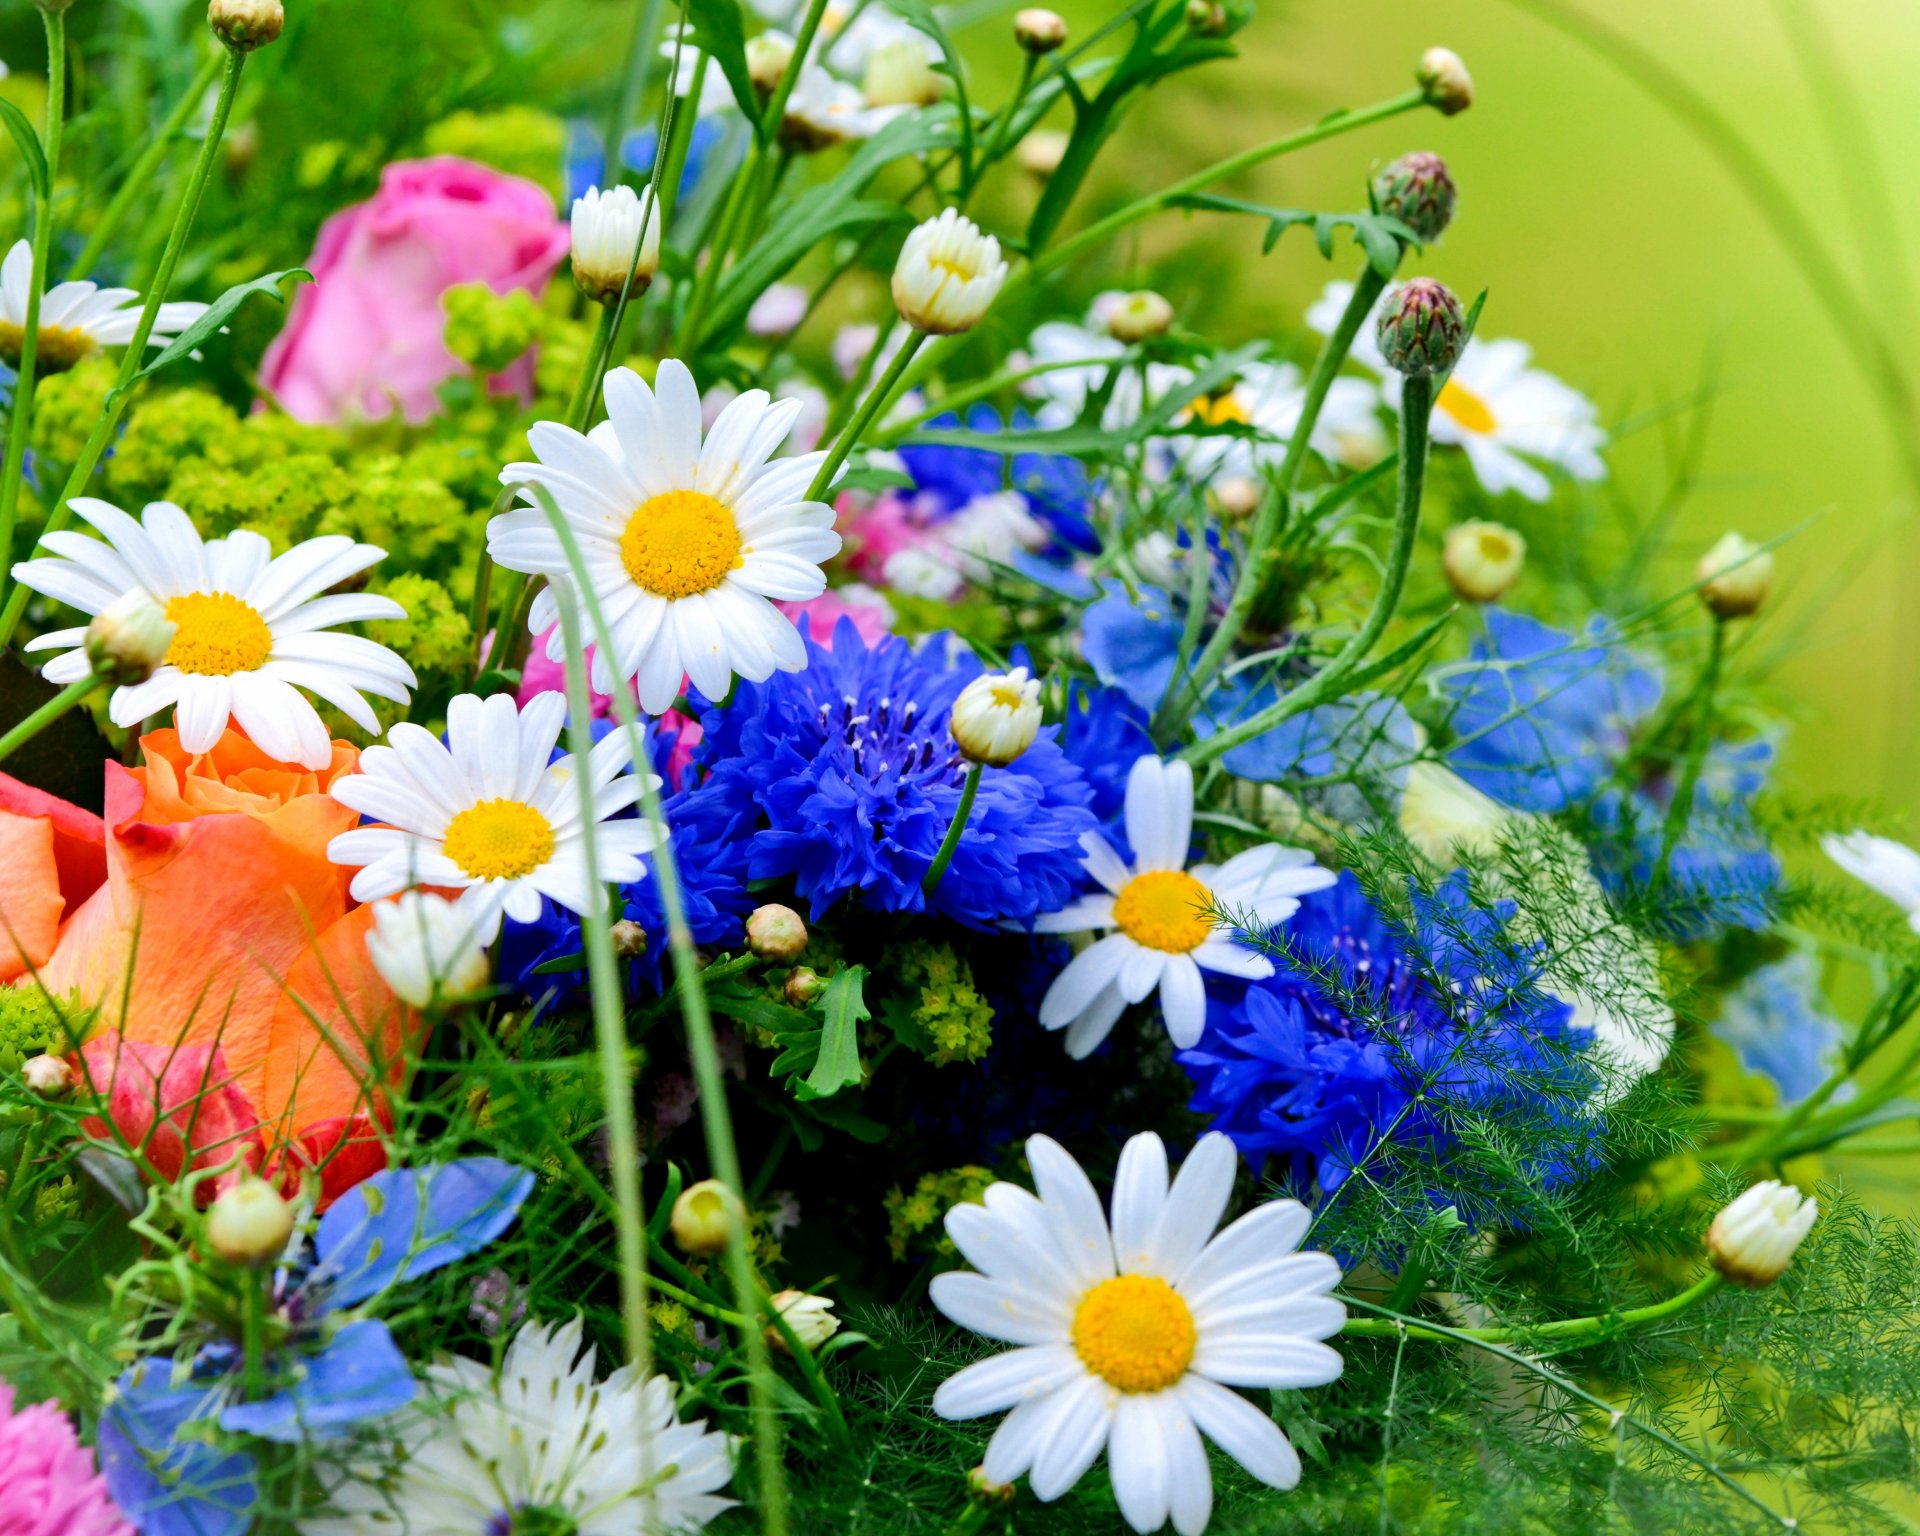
(874, 478)
(29, 142)
(561, 964)
(845, 1008)
(218, 313)
(715, 27)
(1380, 235)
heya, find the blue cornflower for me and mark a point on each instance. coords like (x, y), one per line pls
(1057, 487)
(155, 1449)
(1331, 1054)
(845, 777)
(1774, 1022)
(1541, 716)
(1367, 738)
(586, 164)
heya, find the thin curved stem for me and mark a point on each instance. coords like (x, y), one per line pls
(951, 842)
(877, 397)
(1602, 1325)
(47, 713)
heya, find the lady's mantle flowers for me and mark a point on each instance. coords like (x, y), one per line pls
(599, 1458)
(487, 815)
(1163, 915)
(76, 319)
(1130, 1334)
(686, 543)
(249, 630)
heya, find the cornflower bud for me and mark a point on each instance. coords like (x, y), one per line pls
(1416, 190)
(606, 234)
(1139, 316)
(1039, 31)
(996, 717)
(776, 933)
(128, 639)
(810, 1317)
(768, 56)
(947, 275)
(1445, 80)
(427, 950)
(699, 1220)
(898, 75)
(1421, 328)
(1735, 577)
(1482, 561)
(804, 986)
(249, 1224)
(244, 25)
(1753, 1240)
(48, 1077)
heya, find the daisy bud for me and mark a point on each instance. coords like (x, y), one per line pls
(1753, 1240)
(250, 1223)
(898, 75)
(699, 1219)
(1039, 31)
(986, 1493)
(1482, 561)
(1735, 577)
(947, 275)
(244, 25)
(47, 1077)
(1444, 816)
(996, 717)
(427, 950)
(1421, 328)
(810, 1317)
(1206, 18)
(776, 933)
(1416, 190)
(1041, 151)
(606, 231)
(128, 639)
(1139, 316)
(1236, 496)
(1445, 80)
(629, 939)
(804, 986)
(768, 56)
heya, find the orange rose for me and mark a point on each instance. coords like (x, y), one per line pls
(221, 923)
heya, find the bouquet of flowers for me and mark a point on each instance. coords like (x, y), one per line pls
(759, 861)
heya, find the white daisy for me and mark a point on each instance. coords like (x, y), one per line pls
(823, 110)
(1269, 398)
(1162, 915)
(1131, 1335)
(687, 544)
(76, 319)
(1892, 869)
(249, 629)
(1494, 406)
(484, 814)
(607, 1458)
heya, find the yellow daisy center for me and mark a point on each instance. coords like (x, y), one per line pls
(1135, 1333)
(59, 349)
(1165, 909)
(1007, 695)
(680, 543)
(499, 840)
(1220, 410)
(1465, 407)
(217, 634)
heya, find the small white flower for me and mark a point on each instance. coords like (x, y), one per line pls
(823, 111)
(485, 815)
(1130, 1336)
(1269, 398)
(810, 1317)
(687, 542)
(996, 717)
(1892, 869)
(948, 275)
(608, 244)
(1079, 360)
(427, 949)
(716, 95)
(77, 318)
(1162, 915)
(249, 629)
(1753, 1240)
(608, 1458)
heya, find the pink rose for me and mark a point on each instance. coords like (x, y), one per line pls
(366, 335)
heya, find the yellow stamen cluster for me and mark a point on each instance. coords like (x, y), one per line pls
(216, 634)
(1224, 409)
(680, 543)
(1165, 909)
(499, 840)
(59, 349)
(1465, 407)
(1135, 1332)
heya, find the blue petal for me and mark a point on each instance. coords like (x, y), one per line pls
(1133, 647)
(167, 1485)
(407, 1221)
(360, 1375)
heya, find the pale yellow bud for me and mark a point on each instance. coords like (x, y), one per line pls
(1483, 561)
(1445, 80)
(1236, 496)
(1444, 816)
(899, 75)
(768, 56)
(804, 986)
(1041, 151)
(1139, 316)
(776, 933)
(1735, 577)
(47, 1076)
(1039, 31)
(1753, 1240)
(249, 1224)
(609, 242)
(810, 1317)
(996, 717)
(244, 25)
(700, 1217)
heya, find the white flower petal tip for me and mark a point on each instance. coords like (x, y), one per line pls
(948, 275)
(1754, 1239)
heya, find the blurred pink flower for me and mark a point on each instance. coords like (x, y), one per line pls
(365, 338)
(47, 1477)
(877, 529)
(872, 616)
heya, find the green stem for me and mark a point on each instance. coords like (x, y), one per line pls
(877, 397)
(771, 119)
(854, 391)
(13, 471)
(1254, 570)
(1699, 739)
(587, 390)
(1604, 1325)
(608, 996)
(143, 169)
(969, 1520)
(998, 142)
(931, 882)
(253, 1332)
(47, 713)
(58, 514)
(1416, 401)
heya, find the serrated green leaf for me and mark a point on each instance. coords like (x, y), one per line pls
(845, 1008)
(217, 314)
